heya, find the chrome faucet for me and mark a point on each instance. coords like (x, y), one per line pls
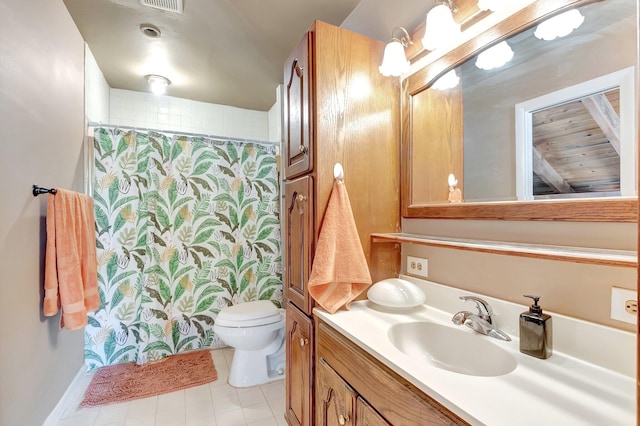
(482, 322)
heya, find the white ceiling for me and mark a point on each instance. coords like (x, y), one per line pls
(228, 52)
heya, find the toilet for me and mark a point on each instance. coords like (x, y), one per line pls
(256, 330)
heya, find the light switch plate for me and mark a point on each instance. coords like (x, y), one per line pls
(620, 299)
(417, 266)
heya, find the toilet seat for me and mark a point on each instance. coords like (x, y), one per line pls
(250, 314)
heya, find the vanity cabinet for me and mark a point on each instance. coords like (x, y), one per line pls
(338, 404)
(335, 399)
(338, 108)
(367, 388)
(367, 416)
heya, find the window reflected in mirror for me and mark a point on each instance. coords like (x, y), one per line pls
(576, 147)
(604, 43)
(578, 142)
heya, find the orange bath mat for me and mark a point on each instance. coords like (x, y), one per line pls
(126, 382)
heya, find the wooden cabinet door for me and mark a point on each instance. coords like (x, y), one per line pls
(335, 399)
(367, 416)
(297, 115)
(299, 381)
(299, 239)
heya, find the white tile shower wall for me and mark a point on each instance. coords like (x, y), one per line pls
(96, 90)
(275, 117)
(146, 110)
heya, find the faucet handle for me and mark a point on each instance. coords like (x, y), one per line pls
(484, 309)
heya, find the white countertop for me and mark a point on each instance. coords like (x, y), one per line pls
(560, 390)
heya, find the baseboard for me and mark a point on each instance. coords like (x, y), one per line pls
(56, 415)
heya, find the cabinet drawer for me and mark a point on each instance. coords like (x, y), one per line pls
(397, 400)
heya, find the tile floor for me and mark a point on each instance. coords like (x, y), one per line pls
(213, 404)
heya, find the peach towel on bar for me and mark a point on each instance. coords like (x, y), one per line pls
(340, 272)
(71, 277)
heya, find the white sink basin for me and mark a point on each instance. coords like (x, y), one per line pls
(452, 349)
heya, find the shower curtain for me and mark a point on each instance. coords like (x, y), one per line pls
(185, 226)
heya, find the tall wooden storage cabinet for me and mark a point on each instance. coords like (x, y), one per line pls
(337, 108)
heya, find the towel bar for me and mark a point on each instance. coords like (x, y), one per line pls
(37, 190)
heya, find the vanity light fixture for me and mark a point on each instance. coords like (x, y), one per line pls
(158, 83)
(492, 5)
(447, 81)
(559, 25)
(440, 26)
(394, 62)
(495, 57)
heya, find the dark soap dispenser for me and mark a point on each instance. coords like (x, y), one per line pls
(535, 331)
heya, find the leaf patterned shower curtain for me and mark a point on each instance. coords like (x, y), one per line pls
(186, 226)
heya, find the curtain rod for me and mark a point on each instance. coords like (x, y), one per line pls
(221, 138)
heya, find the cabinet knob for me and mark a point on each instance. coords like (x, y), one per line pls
(303, 149)
(343, 419)
(298, 69)
(301, 198)
(303, 342)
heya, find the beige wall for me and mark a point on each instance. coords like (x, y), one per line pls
(41, 129)
(578, 290)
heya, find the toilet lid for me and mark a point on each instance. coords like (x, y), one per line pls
(249, 314)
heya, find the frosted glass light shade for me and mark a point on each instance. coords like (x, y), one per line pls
(447, 81)
(158, 83)
(559, 25)
(440, 27)
(494, 57)
(394, 61)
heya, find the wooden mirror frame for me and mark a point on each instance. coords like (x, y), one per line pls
(582, 210)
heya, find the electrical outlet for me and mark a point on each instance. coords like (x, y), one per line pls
(417, 266)
(624, 305)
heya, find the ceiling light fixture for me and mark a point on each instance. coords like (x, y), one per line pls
(440, 26)
(158, 83)
(495, 56)
(559, 25)
(394, 61)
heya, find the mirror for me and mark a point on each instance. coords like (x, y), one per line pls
(470, 130)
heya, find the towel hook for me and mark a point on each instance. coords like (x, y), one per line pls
(338, 171)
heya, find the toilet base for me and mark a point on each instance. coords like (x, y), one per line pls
(252, 368)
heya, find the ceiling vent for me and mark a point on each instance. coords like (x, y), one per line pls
(168, 5)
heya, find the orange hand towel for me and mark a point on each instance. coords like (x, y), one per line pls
(340, 272)
(71, 277)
